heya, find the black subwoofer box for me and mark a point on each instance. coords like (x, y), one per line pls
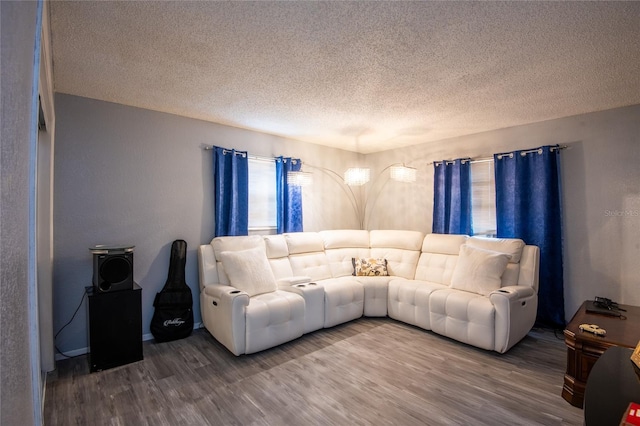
(112, 268)
(115, 327)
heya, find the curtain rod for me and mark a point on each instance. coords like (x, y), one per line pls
(251, 157)
(487, 159)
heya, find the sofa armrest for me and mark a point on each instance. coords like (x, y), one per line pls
(226, 295)
(516, 309)
(284, 283)
(512, 292)
(223, 314)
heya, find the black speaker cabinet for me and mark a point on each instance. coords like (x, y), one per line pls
(115, 327)
(112, 268)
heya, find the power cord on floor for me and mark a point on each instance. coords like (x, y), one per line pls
(84, 294)
(557, 332)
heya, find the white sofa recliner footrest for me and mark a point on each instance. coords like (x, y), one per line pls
(272, 319)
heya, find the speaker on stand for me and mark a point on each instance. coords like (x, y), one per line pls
(112, 268)
(114, 309)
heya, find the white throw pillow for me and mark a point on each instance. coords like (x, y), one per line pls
(249, 270)
(478, 270)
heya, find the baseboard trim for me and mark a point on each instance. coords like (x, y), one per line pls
(71, 354)
(83, 351)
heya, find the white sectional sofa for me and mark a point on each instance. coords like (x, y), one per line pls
(258, 292)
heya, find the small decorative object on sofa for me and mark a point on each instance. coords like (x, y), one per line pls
(479, 291)
(369, 267)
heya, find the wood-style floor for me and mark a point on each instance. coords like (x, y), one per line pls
(366, 372)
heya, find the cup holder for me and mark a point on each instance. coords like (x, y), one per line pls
(301, 285)
(503, 291)
(313, 284)
(234, 292)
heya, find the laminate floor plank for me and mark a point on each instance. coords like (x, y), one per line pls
(372, 371)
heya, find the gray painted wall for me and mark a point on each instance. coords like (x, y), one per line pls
(17, 402)
(601, 194)
(126, 175)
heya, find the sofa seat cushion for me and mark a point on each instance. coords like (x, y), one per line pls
(464, 316)
(343, 300)
(376, 290)
(408, 301)
(272, 319)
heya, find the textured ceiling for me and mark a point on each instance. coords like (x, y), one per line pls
(363, 76)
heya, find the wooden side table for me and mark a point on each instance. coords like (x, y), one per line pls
(584, 348)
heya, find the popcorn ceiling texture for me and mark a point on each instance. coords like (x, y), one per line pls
(363, 76)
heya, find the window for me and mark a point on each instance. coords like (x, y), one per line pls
(262, 196)
(483, 198)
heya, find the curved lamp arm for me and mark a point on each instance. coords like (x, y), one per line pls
(357, 203)
(405, 174)
(358, 210)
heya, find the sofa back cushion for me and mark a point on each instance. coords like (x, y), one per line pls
(303, 242)
(307, 256)
(278, 255)
(342, 246)
(401, 249)
(344, 238)
(510, 246)
(221, 244)
(439, 257)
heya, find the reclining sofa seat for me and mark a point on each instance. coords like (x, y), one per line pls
(245, 324)
(399, 248)
(496, 322)
(316, 268)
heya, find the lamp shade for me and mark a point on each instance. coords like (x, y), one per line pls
(403, 173)
(299, 178)
(357, 176)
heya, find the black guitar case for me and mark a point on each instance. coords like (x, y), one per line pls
(173, 315)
